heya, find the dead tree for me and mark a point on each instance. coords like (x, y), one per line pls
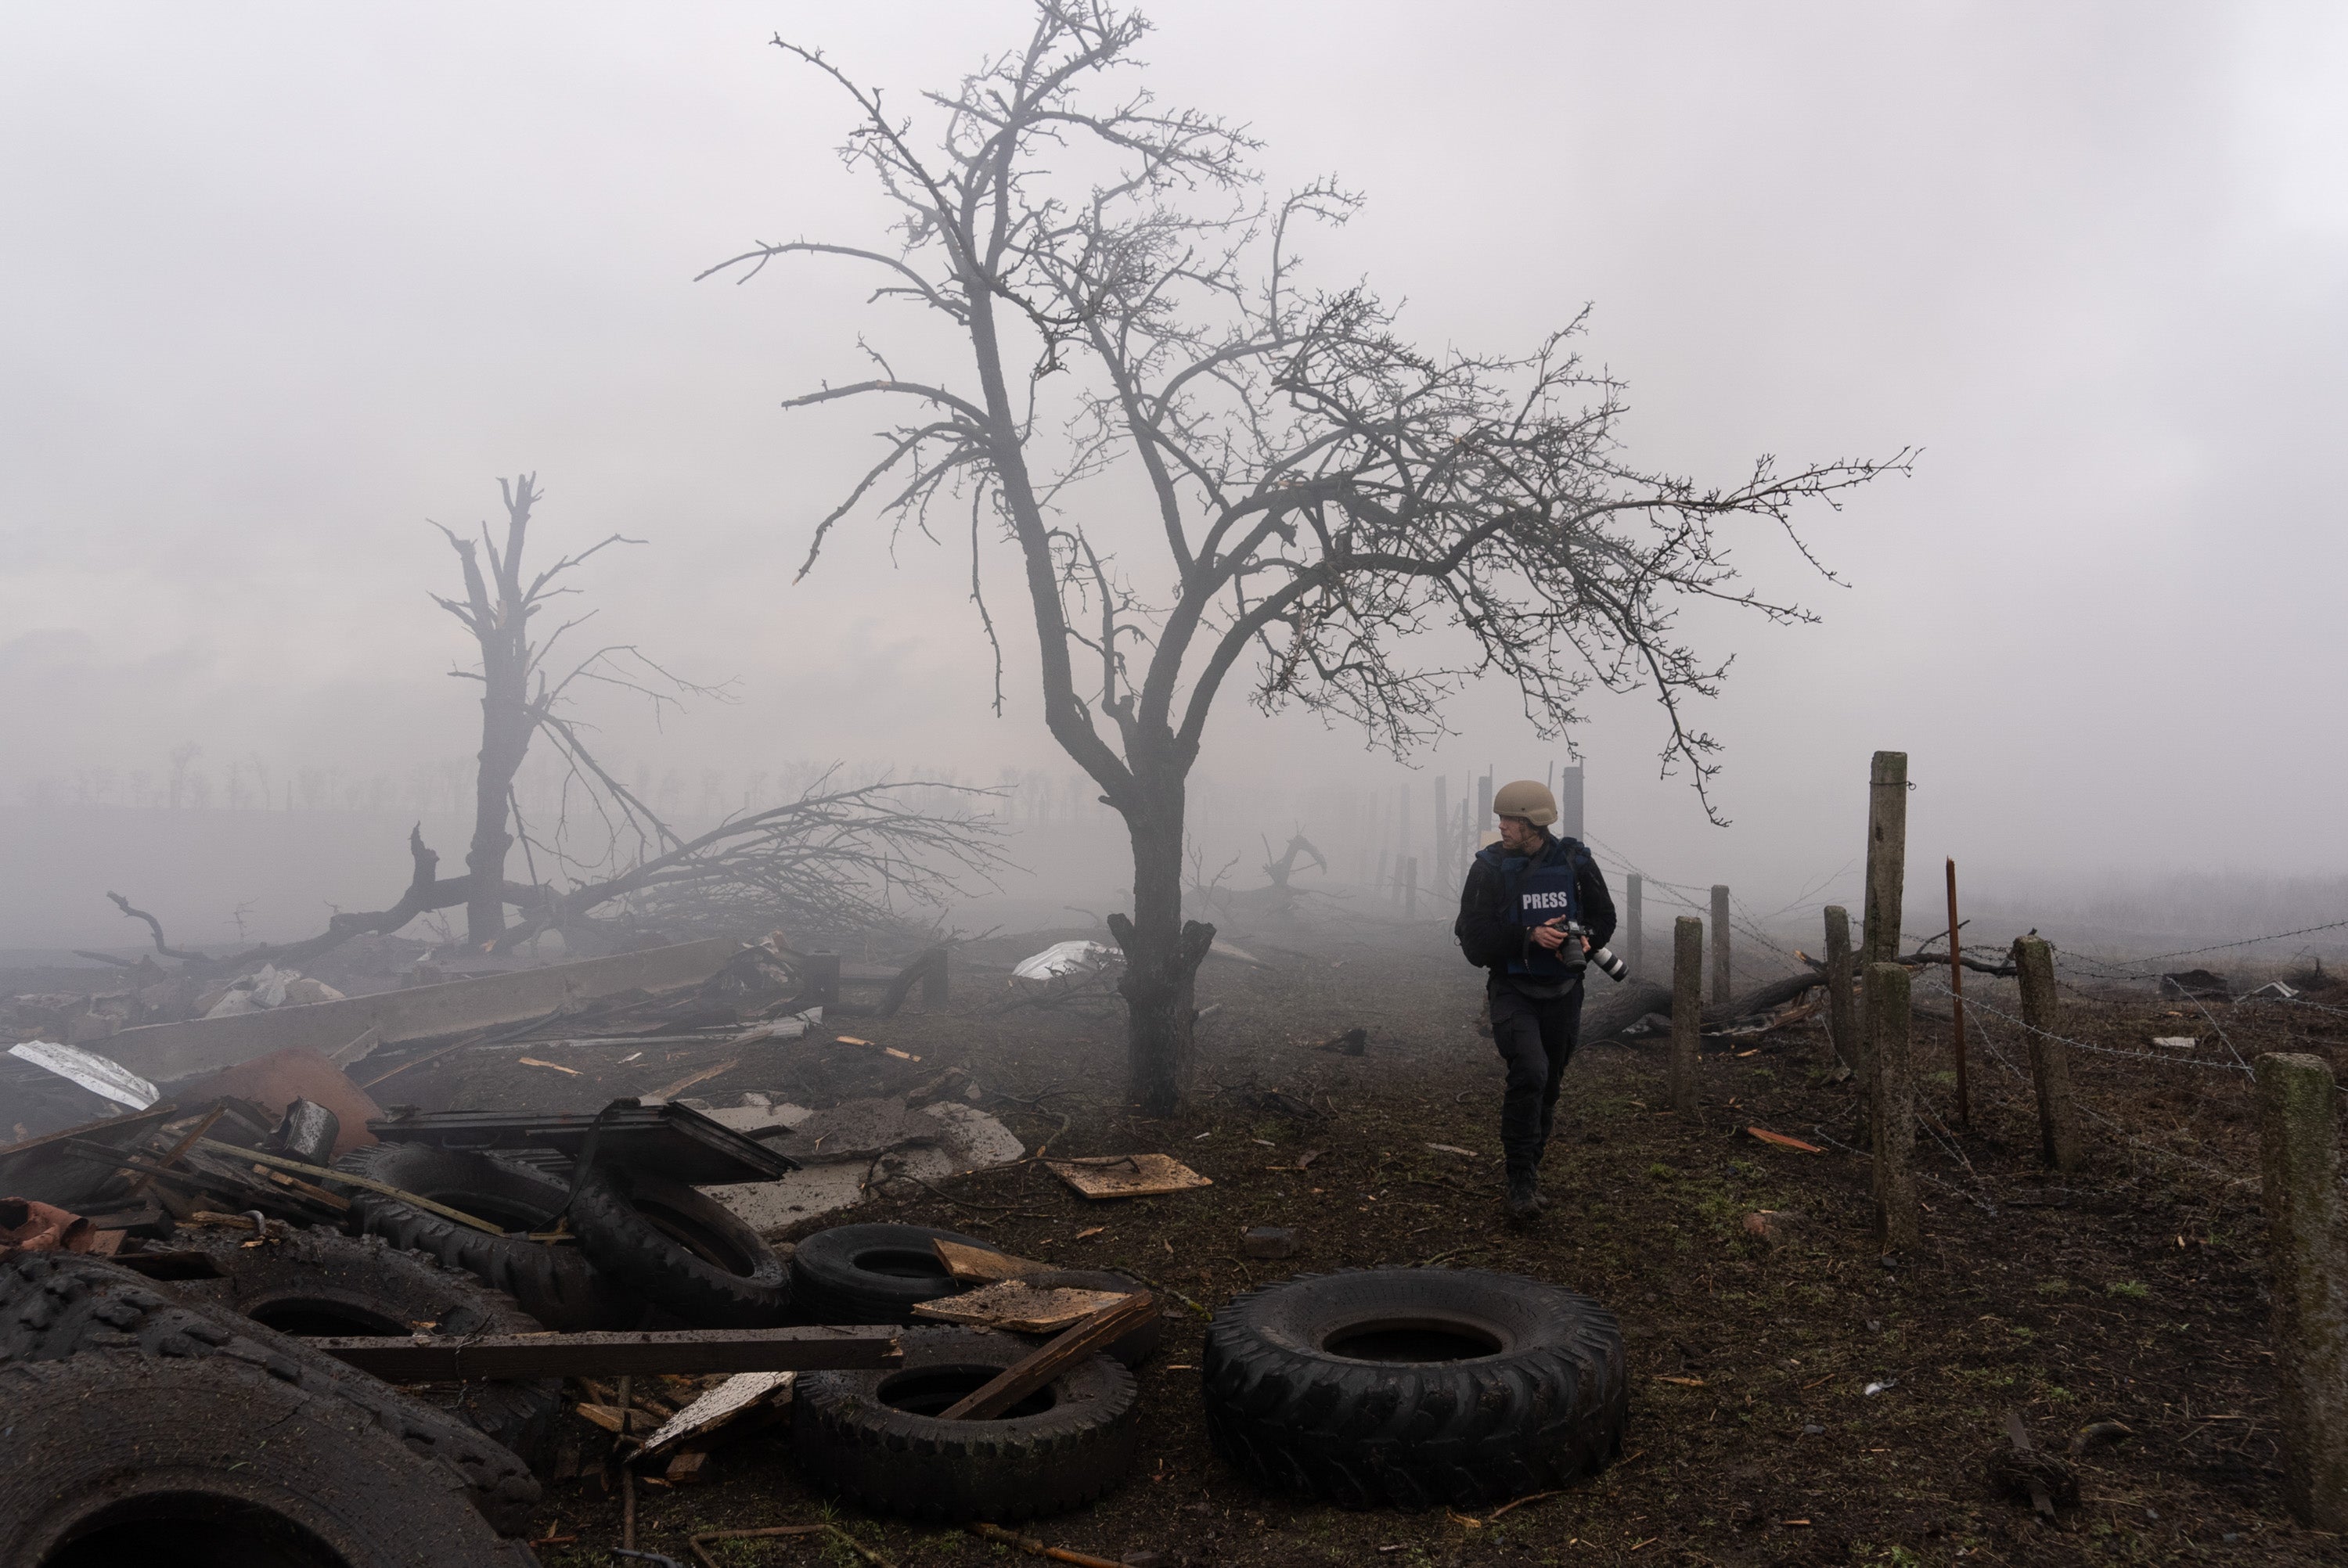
(1319, 488)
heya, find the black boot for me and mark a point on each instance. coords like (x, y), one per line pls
(1525, 1202)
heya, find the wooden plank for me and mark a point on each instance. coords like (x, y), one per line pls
(981, 1263)
(158, 1052)
(1127, 1175)
(1038, 1368)
(457, 1357)
(1019, 1307)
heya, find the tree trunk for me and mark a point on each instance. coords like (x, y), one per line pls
(1162, 954)
(505, 738)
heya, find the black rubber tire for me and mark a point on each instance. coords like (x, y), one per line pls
(871, 1273)
(145, 1459)
(1063, 1448)
(1130, 1349)
(1547, 1401)
(555, 1284)
(318, 1282)
(55, 1307)
(680, 1249)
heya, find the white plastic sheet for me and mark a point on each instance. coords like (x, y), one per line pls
(100, 1075)
(1066, 959)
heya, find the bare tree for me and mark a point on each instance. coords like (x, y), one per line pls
(1318, 489)
(837, 858)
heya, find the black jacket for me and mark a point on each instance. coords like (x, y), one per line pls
(1491, 940)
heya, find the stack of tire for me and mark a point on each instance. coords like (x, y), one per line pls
(875, 1437)
(143, 1429)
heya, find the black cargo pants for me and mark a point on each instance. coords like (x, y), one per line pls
(1536, 1039)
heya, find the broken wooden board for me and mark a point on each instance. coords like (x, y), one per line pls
(730, 1400)
(162, 1051)
(453, 1357)
(982, 1263)
(1127, 1175)
(1072, 1344)
(1783, 1142)
(1019, 1307)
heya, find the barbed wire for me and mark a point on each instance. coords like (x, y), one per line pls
(2112, 968)
(1974, 1004)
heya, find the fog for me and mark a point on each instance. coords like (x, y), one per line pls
(288, 281)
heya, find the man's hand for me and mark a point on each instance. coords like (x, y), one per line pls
(1550, 937)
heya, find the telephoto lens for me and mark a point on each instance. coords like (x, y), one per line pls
(1604, 959)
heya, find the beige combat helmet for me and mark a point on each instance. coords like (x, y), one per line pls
(1527, 799)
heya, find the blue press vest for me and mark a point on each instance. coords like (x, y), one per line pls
(1537, 895)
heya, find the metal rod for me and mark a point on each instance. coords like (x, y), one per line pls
(1957, 1001)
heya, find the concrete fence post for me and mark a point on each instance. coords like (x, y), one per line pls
(1843, 1008)
(2050, 1059)
(1721, 982)
(1410, 889)
(1687, 1010)
(1634, 922)
(1892, 1099)
(2309, 1279)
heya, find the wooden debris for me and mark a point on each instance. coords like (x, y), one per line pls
(1455, 1149)
(883, 1050)
(729, 1401)
(1018, 1307)
(682, 1084)
(1034, 1548)
(686, 1468)
(1127, 1175)
(984, 1263)
(1782, 1142)
(348, 1179)
(614, 1419)
(556, 1066)
(1269, 1241)
(1039, 1367)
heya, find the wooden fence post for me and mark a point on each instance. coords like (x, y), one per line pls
(2050, 1059)
(1842, 1009)
(1687, 1010)
(1444, 874)
(1893, 1101)
(1721, 987)
(937, 980)
(1410, 889)
(2309, 1283)
(1887, 875)
(1634, 922)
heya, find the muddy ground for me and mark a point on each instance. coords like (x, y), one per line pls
(2130, 1292)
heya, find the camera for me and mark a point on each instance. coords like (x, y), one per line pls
(1600, 958)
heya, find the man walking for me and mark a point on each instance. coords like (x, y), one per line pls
(1534, 906)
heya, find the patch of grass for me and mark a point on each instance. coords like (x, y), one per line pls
(2052, 1286)
(1662, 1173)
(2128, 1290)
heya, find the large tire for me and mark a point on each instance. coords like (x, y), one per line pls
(680, 1249)
(555, 1284)
(215, 1463)
(871, 1273)
(865, 1435)
(1415, 1387)
(1130, 1349)
(55, 1307)
(318, 1283)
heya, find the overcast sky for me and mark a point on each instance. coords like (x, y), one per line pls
(284, 281)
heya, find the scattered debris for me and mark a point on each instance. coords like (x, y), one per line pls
(556, 1066)
(883, 1050)
(2030, 1474)
(2097, 1434)
(1269, 1242)
(1772, 1225)
(2198, 985)
(2274, 990)
(1455, 1149)
(100, 1075)
(1783, 1142)
(26, 1225)
(982, 1263)
(282, 1077)
(1874, 1388)
(1018, 1307)
(2176, 1041)
(1218, 949)
(1127, 1175)
(739, 1396)
(1062, 959)
(1034, 1548)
